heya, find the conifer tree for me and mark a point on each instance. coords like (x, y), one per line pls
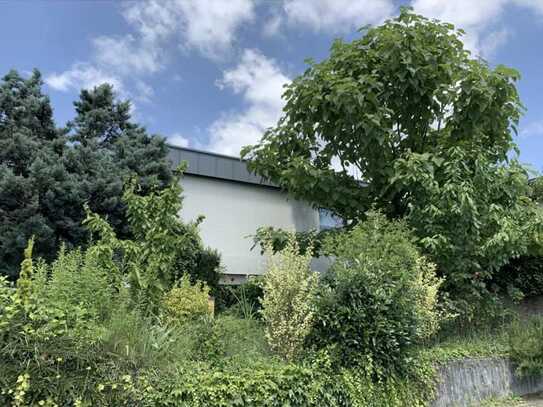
(48, 173)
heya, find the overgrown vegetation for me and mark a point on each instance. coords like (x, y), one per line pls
(378, 299)
(526, 345)
(406, 121)
(109, 326)
(437, 208)
(48, 172)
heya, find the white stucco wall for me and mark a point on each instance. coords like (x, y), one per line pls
(233, 211)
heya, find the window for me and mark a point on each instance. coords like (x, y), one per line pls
(327, 220)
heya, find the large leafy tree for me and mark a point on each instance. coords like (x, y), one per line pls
(48, 173)
(405, 86)
(405, 120)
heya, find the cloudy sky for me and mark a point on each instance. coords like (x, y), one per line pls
(209, 73)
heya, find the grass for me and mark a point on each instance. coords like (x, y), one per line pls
(486, 337)
(475, 345)
(511, 401)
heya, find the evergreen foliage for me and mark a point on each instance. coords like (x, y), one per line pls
(47, 173)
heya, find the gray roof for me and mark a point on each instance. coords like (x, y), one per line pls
(206, 164)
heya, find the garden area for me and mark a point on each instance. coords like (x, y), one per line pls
(109, 298)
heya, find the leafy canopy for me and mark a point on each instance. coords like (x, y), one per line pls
(404, 120)
(405, 86)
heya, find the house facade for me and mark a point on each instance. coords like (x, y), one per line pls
(235, 204)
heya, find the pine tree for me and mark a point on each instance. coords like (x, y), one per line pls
(27, 137)
(108, 149)
(48, 173)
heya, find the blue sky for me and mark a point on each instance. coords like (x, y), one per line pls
(209, 73)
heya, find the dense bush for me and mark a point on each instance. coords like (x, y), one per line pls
(470, 217)
(526, 347)
(208, 268)
(278, 385)
(379, 297)
(185, 301)
(287, 304)
(51, 341)
(150, 260)
(524, 273)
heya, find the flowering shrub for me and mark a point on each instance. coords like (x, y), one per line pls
(289, 288)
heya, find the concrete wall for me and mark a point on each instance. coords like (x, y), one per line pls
(464, 383)
(234, 211)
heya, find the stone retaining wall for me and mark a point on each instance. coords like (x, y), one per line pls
(466, 382)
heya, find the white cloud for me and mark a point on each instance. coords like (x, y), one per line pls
(475, 17)
(493, 41)
(208, 26)
(260, 82)
(337, 15)
(178, 140)
(532, 129)
(127, 55)
(155, 21)
(82, 75)
(478, 18)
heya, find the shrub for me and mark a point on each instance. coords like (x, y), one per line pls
(51, 341)
(208, 268)
(76, 278)
(524, 273)
(230, 296)
(471, 216)
(186, 302)
(378, 298)
(526, 346)
(277, 385)
(199, 262)
(163, 248)
(289, 287)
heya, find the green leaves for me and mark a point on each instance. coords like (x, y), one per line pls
(154, 258)
(470, 214)
(405, 86)
(405, 121)
(47, 173)
(378, 298)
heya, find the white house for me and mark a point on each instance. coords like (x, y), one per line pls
(235, 203)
